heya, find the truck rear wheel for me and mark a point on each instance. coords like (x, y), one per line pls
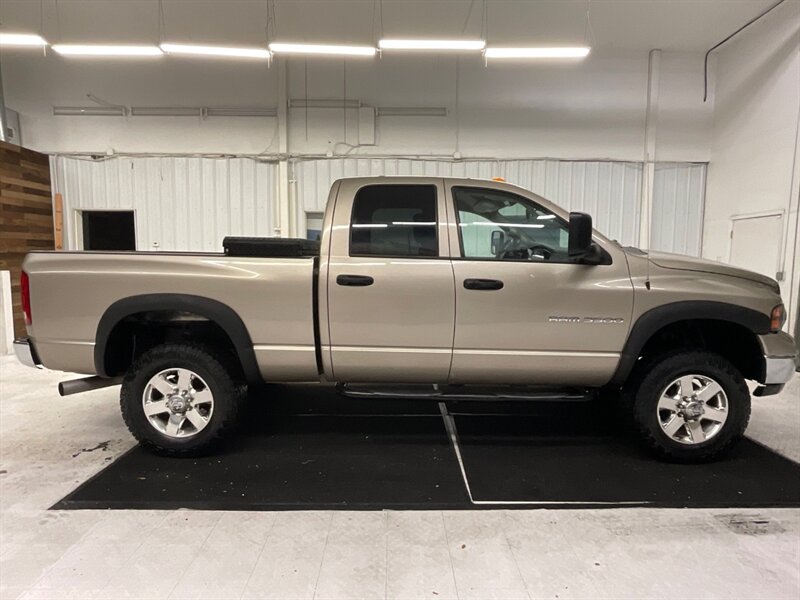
(179, 400)
(689, 406)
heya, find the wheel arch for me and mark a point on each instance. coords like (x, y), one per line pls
(699, 315)
(217, 313)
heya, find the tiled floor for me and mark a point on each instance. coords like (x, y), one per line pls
(50, 444)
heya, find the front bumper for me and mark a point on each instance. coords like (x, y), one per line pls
(26, 352)
(780, 362)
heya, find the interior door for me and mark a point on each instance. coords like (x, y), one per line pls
(391, 308)
(525, 313)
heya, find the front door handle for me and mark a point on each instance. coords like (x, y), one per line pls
(483, 284)
(355, 280)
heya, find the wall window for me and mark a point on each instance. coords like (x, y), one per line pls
(394, 221)
(499, 225)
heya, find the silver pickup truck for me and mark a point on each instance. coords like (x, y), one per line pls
(419, 285)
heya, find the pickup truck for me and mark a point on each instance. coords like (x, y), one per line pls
(419, 285)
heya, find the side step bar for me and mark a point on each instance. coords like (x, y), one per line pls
(86, 384)
(464, 392)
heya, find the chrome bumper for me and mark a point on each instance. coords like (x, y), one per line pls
(778, 369)
(26, 353)
(780, 357)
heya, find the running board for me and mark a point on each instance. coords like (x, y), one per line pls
(464, 392)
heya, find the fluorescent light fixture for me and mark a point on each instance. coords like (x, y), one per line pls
(171, 111)
(322, 49)
(225, 51)
(103, 50)
(89, 111)
(567, 52)
(411, 111)
(225, 111)
(324, 103)
(455, 45)
(21, 39)
(197, 111)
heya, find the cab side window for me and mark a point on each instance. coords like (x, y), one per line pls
(499, 225)
(394, 221)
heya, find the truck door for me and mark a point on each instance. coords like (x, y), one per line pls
(525, 313)
(390, 290)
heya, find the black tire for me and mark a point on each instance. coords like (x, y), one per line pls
(642, 395)
(226, 394)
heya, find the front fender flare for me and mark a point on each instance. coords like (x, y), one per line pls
(657, 318)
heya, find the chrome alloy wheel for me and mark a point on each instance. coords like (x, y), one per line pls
(178, 403)
(692, 409)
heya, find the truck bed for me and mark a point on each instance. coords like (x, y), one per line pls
(273, 296)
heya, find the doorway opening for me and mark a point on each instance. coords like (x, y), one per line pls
(108, 230)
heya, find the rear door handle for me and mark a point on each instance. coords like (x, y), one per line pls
(483, 284)
(355, 280)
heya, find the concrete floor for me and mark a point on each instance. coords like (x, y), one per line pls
(48, 445)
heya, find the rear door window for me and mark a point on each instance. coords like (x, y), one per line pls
(394, 221)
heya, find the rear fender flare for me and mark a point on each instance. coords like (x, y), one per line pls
(217, 312)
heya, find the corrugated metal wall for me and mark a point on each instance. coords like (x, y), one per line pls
(609, 191)
(678, 200)
(191, 203)
(182, 203)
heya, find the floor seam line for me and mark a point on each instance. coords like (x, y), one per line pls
(131, 554)
(258, 558)
(449, 553)
(186, 570)
(514, 558)
(322, 558)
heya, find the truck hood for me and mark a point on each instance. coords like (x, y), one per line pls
(688, 263)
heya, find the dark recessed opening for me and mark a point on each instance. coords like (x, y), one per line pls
(108, 230)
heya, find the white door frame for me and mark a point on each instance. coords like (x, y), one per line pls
(77, 224)
(777, 212)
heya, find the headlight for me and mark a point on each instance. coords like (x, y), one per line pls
(777, 318)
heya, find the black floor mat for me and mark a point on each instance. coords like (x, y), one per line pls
(299, 462)
(307, 447)
(586, 460)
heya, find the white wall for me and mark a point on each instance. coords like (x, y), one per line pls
(179, 203)
(753, 165)
(591, 109)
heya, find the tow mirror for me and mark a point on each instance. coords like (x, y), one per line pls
(581, 248)
(498, 241)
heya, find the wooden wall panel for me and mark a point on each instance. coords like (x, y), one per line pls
(26, 214)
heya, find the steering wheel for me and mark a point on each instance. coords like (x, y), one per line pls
(512, 246)
(545, 251)
(515, 248)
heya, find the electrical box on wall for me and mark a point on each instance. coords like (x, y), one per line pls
(13, 134)
(366, 126)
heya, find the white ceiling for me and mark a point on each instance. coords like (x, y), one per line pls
(681, 25)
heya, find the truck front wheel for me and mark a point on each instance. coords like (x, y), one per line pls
(178, 400)
(689, 406)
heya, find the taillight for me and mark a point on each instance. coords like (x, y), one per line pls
(777, 318)
(25, 291)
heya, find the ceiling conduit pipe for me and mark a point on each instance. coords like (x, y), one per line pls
(727, 39)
